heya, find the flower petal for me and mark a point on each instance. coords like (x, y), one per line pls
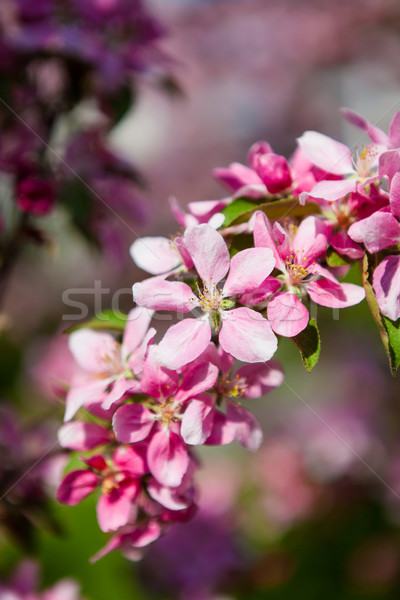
(247, 335)
(261, 378)
(326, 153)
(168, 458)
(158, 381)
(76, 486)
(335, 295)
(386, 284)
(155, 255)
(183, 342)
(197, 420)
(287, 314)
(248, 270)
(132, 423)
(376, 232)
(158, 294)
(209, 253)
(198, 379)
(332, 190)
(310, 240)
(92, 348)
(114, 508)
(80, 436)
(247, 429)
(136, 327)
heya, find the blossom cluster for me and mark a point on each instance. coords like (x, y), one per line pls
(245, 269)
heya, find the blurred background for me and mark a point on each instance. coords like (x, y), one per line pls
(108, 109)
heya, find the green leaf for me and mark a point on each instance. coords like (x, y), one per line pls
(334, 259)
(107, 320)
(309, 344)
(388, 330)
(241, 209)
(236, 209)
(392, 329)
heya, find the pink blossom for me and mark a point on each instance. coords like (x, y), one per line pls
(242, 332)
(159, 255)
(203, 422)
(159, 421)
(109, 369)
(296, 252)
(118, 480)
(335, 158)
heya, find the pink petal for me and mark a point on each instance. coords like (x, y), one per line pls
(223, 431)
(114, 508)
(155, 255)
(158, 294)
(198, 379)
(287, 314)
(209, 252)
(332, 190)
(158, 381)
(376, 134)
(168, 458)
(343, 244)
(96, 462)
(248, 270)
(326, 153)
(171, 498)
(197, 420)
(136, 327)
(247, 335)
(132, 423)
(132, 459)
(389, 164)
(263, 237)
(80, 394)
(335, 295)
(386, 284)
(261, 378)
(377, 232)
(310, 240)
(119, 388)
(137, 358)
(268, 287)
(91, 349)
(76, 486)
(247, 429)
(236, 176)
(256, 149)
(80, 436)
(184, 342)
(395, 195)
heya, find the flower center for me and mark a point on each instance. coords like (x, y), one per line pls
(232, 386)
(210, 298)
(365, 161)
(111, 482)
(296, 272)
(167, 412)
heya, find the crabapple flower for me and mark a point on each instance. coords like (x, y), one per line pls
(204, 211)
(335, 158)
(108, 368)
(203, 422)
(119, 480)
(159, 423)
(296, 251)
(243, 332)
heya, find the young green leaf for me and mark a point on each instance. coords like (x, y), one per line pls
(107, 320)
(309, 344)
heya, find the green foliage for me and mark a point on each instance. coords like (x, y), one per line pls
(334, 259)
(107, 320)
(309, 343)
(241, 209)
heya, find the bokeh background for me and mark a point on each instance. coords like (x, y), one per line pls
(316, 512)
